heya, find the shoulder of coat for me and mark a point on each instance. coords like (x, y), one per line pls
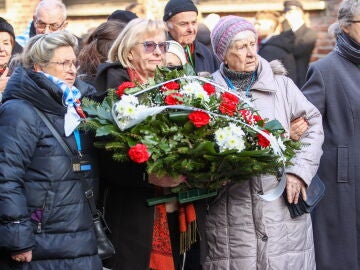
(278, 68)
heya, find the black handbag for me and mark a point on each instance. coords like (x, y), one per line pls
(104, 245)
(314, 192)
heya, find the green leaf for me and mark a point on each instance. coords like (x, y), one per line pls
(105, 130)
(181, 116)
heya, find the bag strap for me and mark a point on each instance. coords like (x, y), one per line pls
(89, 193)
(54, 132)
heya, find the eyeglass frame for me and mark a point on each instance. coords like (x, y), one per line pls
(50, 25)
(67, 63)
(153, 48)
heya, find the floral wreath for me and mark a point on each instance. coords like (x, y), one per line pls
(189, 125)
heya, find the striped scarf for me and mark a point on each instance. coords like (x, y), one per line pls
(348, 48)
(71, 99)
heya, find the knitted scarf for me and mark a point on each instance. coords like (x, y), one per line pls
(241, 80)
(348, 48)
(161, 257)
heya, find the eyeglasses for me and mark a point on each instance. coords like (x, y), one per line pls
(66, 64)
(150, 46)
(52, 26)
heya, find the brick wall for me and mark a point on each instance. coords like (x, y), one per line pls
(19, 13)
(320, 21)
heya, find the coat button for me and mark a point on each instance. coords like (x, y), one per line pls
(264, 238)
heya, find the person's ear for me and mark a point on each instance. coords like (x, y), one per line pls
(130, 56)
(346, 29)
(37, 67)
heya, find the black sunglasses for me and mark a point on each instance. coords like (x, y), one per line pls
(150, 46)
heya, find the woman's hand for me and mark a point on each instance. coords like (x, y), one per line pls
(166, 181)
(295, 185)
(23, 257)
(298, 128)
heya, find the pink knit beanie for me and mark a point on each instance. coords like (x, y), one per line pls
(224, 32)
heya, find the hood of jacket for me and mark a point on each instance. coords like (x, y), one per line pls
(34, 87)
(266, 75)
(109, 75)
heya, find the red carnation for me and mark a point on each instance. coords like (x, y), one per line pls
(170, 86)
(228, 107)
(173, 99)
(122, 87)
(209, 88)
(199, 118)
(139, 153)
(263, 142)
(229, 97)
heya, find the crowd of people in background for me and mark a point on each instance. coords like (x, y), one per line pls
(45, 72)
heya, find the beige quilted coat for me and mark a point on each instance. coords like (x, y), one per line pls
(244, 232)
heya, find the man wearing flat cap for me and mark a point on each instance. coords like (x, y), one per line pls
(180, 17)
(305, 38)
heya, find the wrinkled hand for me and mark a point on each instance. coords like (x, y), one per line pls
(166, 181)
(23, 257)
(4, 79)
(298, 128)
(295, 185)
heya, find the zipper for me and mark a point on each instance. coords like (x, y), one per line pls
(40, 223)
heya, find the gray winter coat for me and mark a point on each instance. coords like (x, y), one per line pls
(333, 86)
(245, 232)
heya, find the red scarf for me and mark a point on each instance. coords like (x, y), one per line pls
(134, 76)
(161, 257)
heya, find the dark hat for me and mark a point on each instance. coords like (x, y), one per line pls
(174, 7)
(122, 15)
(6, 27)
(288, 5)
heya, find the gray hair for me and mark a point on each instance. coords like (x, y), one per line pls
(130, 36)
(40, 48)
(347, 10)
(51, 5)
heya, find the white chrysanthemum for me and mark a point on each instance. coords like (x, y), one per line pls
(221, 136)
(230, 138)
(130, 99)
(126, 110)
(194, 90)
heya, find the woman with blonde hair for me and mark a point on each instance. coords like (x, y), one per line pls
(144, 237)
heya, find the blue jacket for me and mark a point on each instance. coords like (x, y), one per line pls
(42, 205)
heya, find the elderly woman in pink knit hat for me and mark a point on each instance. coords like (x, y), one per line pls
(243, 231)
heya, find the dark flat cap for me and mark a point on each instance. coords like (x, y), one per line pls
(292, 4)
(122, 15)
(174, 7)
